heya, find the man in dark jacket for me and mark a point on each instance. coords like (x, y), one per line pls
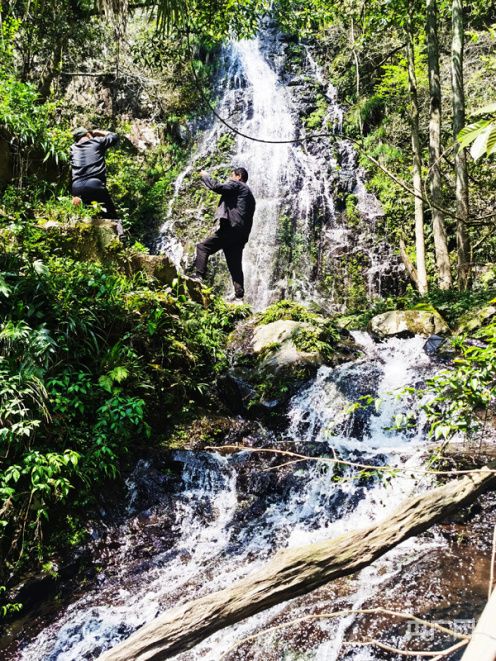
(235, 215)
(89, 175)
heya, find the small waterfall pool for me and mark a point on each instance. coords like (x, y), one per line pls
(226, 515)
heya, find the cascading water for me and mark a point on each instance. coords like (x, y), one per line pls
(211, 539)
(294, 184)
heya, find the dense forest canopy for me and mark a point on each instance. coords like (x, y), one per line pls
(98, 361)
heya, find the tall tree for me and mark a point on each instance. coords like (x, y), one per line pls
(462, 199)
(438, 226)
(417, 162)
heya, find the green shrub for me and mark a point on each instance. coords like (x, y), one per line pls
(94, 367)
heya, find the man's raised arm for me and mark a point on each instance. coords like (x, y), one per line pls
(214, 185)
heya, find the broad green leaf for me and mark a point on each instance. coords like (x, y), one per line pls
(491, 108)
(40, 268)
(491, 141)
(119, 374)
(479, 145)
(469, 133)
(5, 290)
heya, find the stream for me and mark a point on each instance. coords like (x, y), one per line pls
(221, 517)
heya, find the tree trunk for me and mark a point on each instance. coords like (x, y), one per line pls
(417, 167)
(438, 227)
(295, 572)
(407, 263)
(462, 202)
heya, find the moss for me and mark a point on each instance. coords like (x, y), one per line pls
(286, 310)
(316, 118)
(319, 340)
(352, 215)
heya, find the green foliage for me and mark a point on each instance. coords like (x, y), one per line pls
(7, 607)
(393, 85)
(481, 135)
(29, 122)
(142, 185)
(316, 118)
(319, 339)
(352, 214)
(461, 398)
(286, 310)
(93, 366)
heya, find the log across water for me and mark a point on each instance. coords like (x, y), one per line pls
(295, 572)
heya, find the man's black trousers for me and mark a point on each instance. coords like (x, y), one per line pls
(232, 243)
(94, 190)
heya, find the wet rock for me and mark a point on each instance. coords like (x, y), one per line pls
(34, 589)
(235, 392)
(408, 322)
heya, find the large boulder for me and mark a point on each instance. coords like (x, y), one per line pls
(159, 267)
(277, 343)
(271, 361)
(414, 322)
(93, 240)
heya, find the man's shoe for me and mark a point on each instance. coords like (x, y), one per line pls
(234, 299)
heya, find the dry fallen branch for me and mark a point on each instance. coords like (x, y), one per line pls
(343, 462)
(297, 571)
(423, 653)
(402, 615)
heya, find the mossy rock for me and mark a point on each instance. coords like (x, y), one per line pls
(271, 361)
(475, 319)
(211, 430)
(156, 266)
(408, 322)
(275, 345)
(92, 240)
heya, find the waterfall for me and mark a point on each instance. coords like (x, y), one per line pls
(294, 184)
(216, 526)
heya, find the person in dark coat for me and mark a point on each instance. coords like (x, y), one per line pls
(89, 174)
(235, 214)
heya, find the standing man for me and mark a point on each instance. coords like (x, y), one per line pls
(235, 214)
(89, 174)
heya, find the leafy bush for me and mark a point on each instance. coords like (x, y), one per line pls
(461, 398)
(94, 366)
(30, 123)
